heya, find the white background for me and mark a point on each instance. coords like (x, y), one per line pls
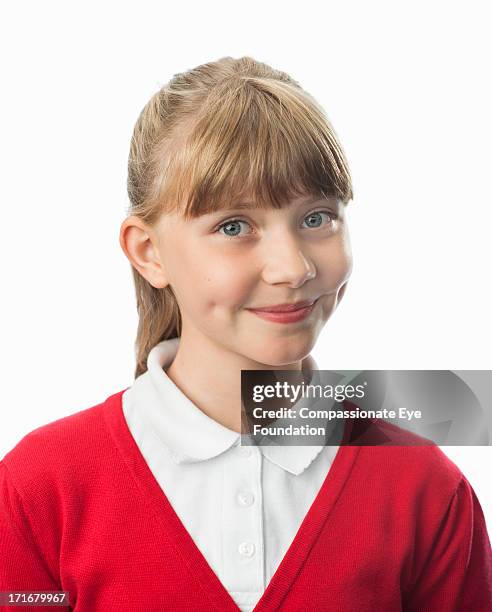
(406, 86)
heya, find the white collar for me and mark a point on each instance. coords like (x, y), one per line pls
(187, 431)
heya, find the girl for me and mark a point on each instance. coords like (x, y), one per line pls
(240, 253)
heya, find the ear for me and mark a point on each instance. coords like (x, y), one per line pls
(140, 245)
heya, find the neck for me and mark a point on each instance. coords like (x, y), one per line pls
(210, 376)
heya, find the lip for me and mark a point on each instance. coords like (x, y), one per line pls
(286, 316)
(286, 307)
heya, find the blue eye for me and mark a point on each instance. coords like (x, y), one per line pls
(315, 217)
(234, 225)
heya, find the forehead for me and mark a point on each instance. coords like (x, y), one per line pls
(248, 204)
(244, 203)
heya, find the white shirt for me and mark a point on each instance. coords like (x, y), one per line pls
(242, 505)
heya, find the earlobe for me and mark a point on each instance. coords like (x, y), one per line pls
(138, 245)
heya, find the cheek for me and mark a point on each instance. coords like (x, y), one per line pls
(335, 266)
(230, 281)
(220, 281)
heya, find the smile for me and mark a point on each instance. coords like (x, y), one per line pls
(285, 317)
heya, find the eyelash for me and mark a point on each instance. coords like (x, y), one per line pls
(333, 216)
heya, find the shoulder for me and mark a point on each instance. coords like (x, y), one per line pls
(397, 461)
(412, 449)
(50, 478)
(409, 467)
(53, 452)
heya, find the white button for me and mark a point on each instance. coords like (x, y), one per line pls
(245, 498)
(247, 549)
(244, 451)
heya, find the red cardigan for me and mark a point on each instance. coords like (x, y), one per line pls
(392, 528)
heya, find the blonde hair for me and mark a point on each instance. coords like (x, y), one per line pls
(213, 135)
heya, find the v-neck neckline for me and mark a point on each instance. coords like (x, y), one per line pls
(156, 500)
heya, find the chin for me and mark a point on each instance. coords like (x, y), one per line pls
(290, 355)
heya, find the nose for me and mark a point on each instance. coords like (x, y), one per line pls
(288, 262)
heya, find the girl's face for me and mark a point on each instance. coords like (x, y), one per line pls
(222, 264)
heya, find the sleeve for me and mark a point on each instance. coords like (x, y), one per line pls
(22, 567)
(457, 575)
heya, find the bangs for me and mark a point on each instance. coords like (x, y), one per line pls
(261, 139)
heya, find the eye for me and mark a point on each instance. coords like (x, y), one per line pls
(233, 226)
(314, 219)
